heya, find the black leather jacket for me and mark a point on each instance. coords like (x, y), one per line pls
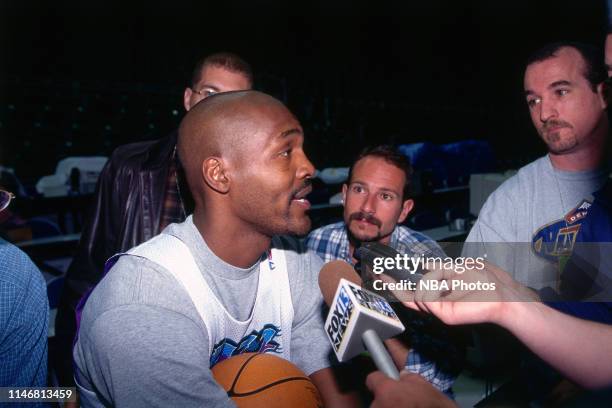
(126, 211)
(127, 207)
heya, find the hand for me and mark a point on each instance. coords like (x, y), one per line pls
(474, 296)
(410, 391)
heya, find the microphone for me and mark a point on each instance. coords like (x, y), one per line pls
(369, 252)
(357, 318)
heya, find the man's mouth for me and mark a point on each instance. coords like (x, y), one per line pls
(300, 197)
(552, 127)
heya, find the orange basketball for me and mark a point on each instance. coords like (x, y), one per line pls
(266, 381)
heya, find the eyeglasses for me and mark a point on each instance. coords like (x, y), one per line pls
(5, 199)
(206, 92)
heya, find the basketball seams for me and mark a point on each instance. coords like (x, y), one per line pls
(279, 383)
(267, 386)
(231, 392)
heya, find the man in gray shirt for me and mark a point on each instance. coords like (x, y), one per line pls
(530, 223)
(218, 284)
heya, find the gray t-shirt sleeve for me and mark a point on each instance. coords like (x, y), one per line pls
(496, 220)
(310, 347)
(494, 235)
(143, 353)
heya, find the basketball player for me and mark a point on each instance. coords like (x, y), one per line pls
(221, 283)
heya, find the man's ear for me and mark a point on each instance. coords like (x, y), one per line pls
(344, 189)
(214, 174)
(603, 90)
(187, 98)
(406, 208)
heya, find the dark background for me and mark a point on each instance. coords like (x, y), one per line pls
(84, 77)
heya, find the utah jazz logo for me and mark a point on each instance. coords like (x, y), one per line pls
(261, 341)
(556, 240)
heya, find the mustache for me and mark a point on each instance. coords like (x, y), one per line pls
(306, 184)
(553, 123)
(360, 215)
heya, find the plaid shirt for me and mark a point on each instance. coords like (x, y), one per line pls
(331, 242)
(24, 316)
(173, 209)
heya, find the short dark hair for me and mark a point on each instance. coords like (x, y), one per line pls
(228, 60)
(392, 156)
(595, 69)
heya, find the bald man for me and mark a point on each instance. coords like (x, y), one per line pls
(221, 283)
(139, 192)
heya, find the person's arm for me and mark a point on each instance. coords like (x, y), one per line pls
(24, 316)
(578, 348)
(310, 347)
(332, 392)
(142, 343)
(575, 347)
(97, 243)
(410, 391)
(147, 356)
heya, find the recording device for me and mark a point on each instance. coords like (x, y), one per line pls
(357, 318)
(367, 254)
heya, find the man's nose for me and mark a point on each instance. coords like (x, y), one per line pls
(547, 111)
(305, 169)
(369, 204)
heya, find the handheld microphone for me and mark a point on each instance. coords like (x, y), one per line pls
(368, 252)
(357, 318)
(372, 256)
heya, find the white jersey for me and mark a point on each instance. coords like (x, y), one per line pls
(268, 328)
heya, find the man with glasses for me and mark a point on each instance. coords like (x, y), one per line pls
(24, 314)
(139, 193)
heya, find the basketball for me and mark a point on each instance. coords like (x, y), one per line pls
(267, 381)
